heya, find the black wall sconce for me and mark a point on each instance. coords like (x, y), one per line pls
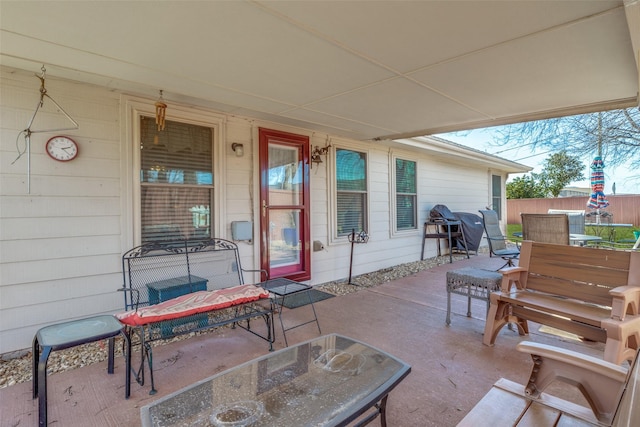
(238, 149)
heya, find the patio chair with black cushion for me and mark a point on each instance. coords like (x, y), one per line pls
(546, 228)
(497, 241)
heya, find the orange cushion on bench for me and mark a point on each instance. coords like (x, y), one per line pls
(193, 303)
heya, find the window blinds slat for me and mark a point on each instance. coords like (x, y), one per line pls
(351, 209)
(180, 154)
(405, 212)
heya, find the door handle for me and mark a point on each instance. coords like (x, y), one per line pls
(264, 208)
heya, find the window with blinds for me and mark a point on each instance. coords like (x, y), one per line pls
(406, 195)
(176, 181)
(351, 185)
(496, 194)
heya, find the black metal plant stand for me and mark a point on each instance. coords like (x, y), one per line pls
(361, 237)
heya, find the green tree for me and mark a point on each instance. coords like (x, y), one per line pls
(615, 135)
(525, 187)
(558, 171)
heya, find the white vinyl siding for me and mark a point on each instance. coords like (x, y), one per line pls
(62, 243)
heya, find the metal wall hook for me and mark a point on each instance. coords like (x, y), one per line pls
(28, 131)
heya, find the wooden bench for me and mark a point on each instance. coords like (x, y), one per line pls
(610, 391)
(593, 293)
(178, 287)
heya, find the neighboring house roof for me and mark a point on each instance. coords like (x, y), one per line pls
(362, 70)
(574, 191)
(461, 153)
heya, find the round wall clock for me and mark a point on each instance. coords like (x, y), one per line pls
(62, 148)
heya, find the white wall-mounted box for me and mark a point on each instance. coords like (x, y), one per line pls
(242, 230)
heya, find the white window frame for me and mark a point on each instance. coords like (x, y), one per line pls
(393, 226)
(134, 109)
(333, 190)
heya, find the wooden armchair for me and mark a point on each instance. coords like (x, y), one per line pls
(610, 390)
(546, 228)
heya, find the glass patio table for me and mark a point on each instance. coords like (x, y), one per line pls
(328, 381)
(607, 227)
(574, 239)
(583, 239)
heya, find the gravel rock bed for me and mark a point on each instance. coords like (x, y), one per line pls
(375, 278)
(16, 368)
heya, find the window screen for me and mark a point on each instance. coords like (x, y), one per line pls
(176, 179)
(351, 184)
(406, 195)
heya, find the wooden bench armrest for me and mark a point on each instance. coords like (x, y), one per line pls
(600, 382)
(625, 301)
(512, 275)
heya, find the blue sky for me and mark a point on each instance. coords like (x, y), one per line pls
(480, 140)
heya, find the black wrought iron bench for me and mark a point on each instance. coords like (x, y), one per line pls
(177, 287)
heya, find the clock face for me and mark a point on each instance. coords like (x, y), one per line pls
(62, 148)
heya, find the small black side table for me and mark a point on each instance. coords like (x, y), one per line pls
(71, 334)
(442, 230)
(283, 288)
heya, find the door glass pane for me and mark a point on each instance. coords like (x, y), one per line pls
(284, 232)
(285, 176)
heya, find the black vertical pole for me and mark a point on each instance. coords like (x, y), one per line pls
(353, 240)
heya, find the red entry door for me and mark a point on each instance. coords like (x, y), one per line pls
(284, 204)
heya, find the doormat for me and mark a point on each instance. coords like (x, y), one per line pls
(302, 298)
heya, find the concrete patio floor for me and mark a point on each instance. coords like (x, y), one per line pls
(451, 368)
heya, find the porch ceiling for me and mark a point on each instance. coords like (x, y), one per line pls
(360, 69)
